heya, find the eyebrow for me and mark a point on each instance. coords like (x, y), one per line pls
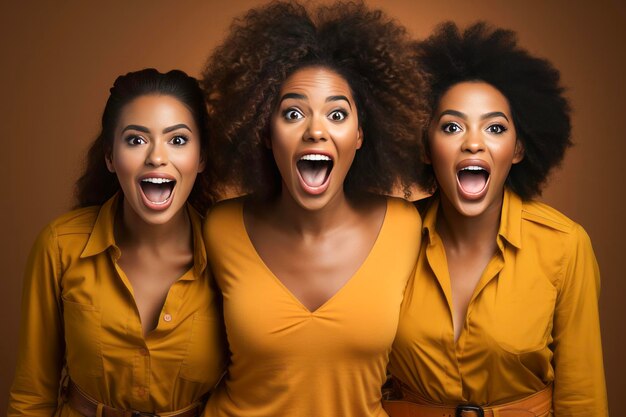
(175, 127)
(166, 130)
(338, 98)
(303, 97)
(483, 117)
(293, 95)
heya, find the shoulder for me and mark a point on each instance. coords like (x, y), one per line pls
(222, 218)
(66, 229)
(225, 210)
(404, 222)
(79, 221)
(546, 217)
(403, 210)
(555, 234)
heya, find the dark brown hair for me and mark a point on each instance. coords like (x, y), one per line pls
(243, 77)
(531, 85)
(97, 184)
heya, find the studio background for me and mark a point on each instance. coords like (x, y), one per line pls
(59, 59)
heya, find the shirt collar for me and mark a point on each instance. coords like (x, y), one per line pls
(510, 218)
(102, 236)
(199, 250)
(430, 218)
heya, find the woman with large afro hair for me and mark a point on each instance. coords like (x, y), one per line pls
(501, 317)
(315, 116)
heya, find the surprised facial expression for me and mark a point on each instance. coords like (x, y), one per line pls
(156, 156)
(314, 136)
(473, 144)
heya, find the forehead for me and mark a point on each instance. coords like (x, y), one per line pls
(316, 81)
(155, 108)
(474, 96)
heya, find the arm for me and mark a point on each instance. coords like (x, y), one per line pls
(579, 387)
(41, 342)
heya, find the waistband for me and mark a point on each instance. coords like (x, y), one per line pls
(80, 401)
(538, 404)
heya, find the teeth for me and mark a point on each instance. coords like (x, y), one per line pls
(157, 180)
(473, 168)
(315, 157)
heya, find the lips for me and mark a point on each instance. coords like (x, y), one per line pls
(473, 178)
(157, 190)
(314, 171)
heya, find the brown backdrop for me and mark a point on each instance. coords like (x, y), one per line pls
(60, 58)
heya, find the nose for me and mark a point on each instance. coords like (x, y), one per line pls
(157, 155)
(316, 130)
(473, 142)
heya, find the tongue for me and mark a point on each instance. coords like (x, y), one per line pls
(313, 173)
(157, 193)
(472, 182)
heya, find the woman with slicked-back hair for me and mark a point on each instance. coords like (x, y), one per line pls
(501, 317)
(315, 116)
(119, 314)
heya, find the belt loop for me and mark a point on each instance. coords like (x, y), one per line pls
(99, 409)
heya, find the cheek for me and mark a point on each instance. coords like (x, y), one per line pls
(188, 160)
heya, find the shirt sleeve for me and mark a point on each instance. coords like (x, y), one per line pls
(579, 386)
(41, 344)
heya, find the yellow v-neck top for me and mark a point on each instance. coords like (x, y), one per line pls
(78, 309)
(287, 361)
(532, 320)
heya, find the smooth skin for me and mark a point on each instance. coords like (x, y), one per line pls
(472, 125)
(156, 136)
(314, 242)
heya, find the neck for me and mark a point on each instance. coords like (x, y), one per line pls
(132, 230)
(313, 222)
(468, 232)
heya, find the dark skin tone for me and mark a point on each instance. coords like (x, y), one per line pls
(473, 128)
(153, 260)
(312, 237)
(156, 139)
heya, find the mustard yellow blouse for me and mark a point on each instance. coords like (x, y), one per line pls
(288, 361)
(78, 309)
(532, 321)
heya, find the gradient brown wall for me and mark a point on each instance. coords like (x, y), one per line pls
(59, 59)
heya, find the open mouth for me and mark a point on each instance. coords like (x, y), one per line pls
(314, 170)
(157, 191)
(473, 179)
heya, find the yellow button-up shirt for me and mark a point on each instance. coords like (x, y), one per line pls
(532, 320)
(78, 311)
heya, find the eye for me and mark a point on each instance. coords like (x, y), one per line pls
(135, 140)
(337, 115)
(497, 129)
(179, 140)
(451, 127)
(292, 114)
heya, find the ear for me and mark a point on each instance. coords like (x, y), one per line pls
(109, 162)
(359, 138)
(518, 155)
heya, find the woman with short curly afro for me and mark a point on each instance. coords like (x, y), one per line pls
(315, 117)
(508, 286)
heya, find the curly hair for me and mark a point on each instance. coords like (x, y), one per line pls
(243, 77)
(531, 85)
(97, 184)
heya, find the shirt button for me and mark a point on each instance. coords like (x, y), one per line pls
(167, 317)
(143, 351)
(141, 391)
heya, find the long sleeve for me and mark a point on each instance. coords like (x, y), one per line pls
(579, 386)
(41, 343)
